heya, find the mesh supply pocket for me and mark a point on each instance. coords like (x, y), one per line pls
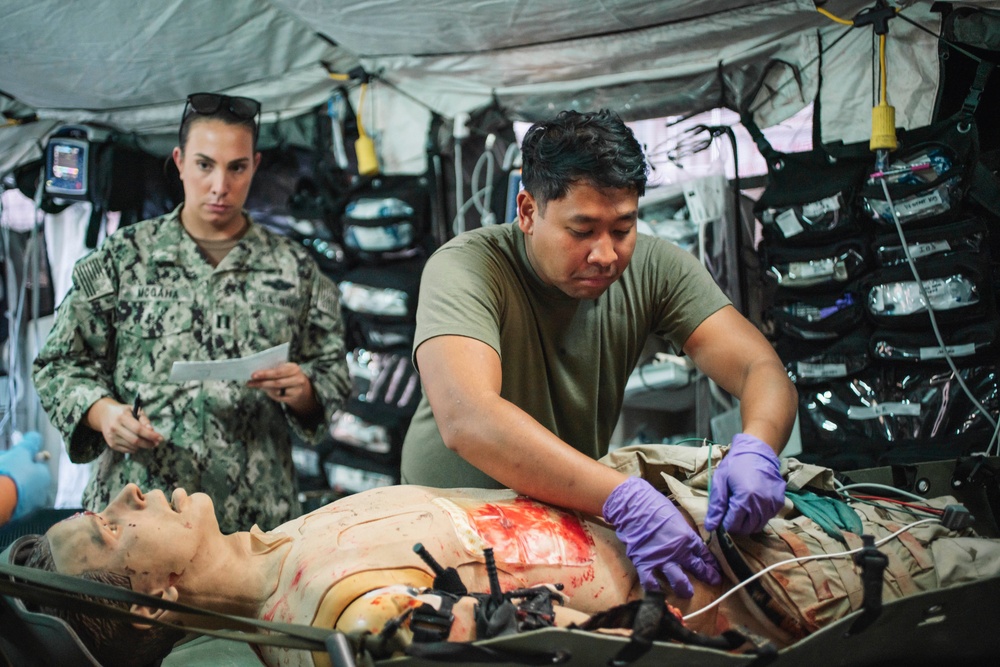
(957, 287)
(967, 235)
(936, 407)
(373, 332)
(818, 268)
(386, 385)
(817, 317)
(809, 362)
(887, 413)
(923, 347)
(904, 297)
(811, 196)
(353, 431)
(829, 437)
(809, 199)
(387, 220)
(379, 225)
(810, 222)
(387, 293)
(927, 177)
(932, 202)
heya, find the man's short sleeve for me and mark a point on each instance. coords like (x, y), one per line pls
(460, 296)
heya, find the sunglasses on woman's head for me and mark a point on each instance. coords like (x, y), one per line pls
(206, 104)
(243, 108)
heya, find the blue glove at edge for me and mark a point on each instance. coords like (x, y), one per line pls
(32, 478)
(747, 487)
(657, 538)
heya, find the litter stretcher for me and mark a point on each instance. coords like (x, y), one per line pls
(943, 626)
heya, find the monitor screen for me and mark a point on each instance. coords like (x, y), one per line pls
(66, 167)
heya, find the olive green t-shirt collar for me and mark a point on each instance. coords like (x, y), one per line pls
(541, 288)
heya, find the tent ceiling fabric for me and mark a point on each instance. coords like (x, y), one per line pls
(130, 64)
(376, 28)
(119, 54)
(652, 58)
(133, 63)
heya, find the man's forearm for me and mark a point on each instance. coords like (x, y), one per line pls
(768, 405)
(507, 444)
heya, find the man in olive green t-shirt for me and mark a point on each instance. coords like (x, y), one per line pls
(527, 334)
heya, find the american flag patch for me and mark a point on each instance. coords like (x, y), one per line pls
(91, 278)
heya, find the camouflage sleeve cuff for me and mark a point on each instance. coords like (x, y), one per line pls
(84, 443)
(313, 431)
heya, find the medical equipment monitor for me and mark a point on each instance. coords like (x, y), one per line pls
(514, 186)
(66, 171)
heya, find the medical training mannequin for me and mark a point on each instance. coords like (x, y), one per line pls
(351, 564)
(357, 545)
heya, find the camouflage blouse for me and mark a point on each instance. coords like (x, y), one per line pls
(147, 298)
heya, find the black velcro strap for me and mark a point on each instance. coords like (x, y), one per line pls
(872, 563)
(433, 625)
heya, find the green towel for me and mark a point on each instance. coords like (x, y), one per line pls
(830, 514)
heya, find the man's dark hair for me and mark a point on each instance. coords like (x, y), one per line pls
(597, 148)
(113, 642)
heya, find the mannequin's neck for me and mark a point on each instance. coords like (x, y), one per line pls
(235, 580)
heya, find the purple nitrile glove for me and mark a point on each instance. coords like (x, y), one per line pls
(747, 487)
(31, 478)
(657, 538)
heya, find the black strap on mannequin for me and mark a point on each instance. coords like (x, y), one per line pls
(652, 621)
(872, 563)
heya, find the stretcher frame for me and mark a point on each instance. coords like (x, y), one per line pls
(955, 625)
(931, 628)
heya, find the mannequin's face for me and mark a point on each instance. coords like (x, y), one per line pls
(137, 535)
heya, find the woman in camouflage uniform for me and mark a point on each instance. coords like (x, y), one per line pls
(200, 283)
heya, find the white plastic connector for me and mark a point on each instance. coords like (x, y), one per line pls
(460, 127)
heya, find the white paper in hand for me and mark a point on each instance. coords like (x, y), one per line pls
(238, 369)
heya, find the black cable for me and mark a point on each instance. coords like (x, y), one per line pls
(806, 65)
(939, 37)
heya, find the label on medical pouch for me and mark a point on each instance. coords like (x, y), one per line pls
(789, 223)
(828, 205)
(935, 287)
(875, 411)
(924, 249)
(807, 370)
(929, 201)
(953, 351)
(812, 269)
